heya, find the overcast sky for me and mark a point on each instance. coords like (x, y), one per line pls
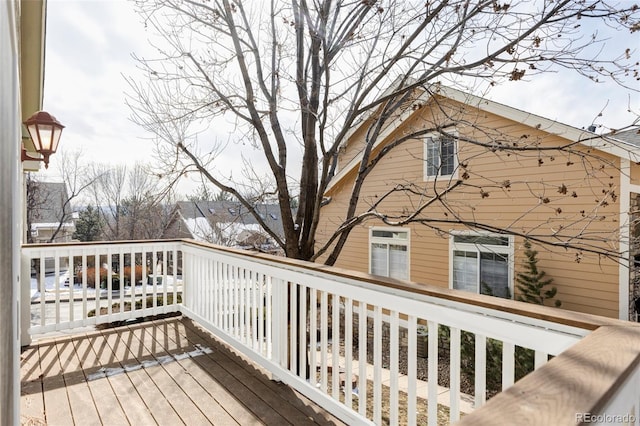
(89, 47)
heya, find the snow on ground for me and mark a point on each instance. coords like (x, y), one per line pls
(51, 284)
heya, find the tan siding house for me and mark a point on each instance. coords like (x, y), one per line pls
(531, 189)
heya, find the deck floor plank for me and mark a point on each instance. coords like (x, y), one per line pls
(161, 372)
(82, 404)
(32, 397)
(134, 407)
(244, 390)
(56, 400)
(234, 410)
(160, 408)
(273, 393)
(104, 396)
(132, 403)
(244, 373)
(184, 372)
(242, 404)
(188, 411)
(124, 390)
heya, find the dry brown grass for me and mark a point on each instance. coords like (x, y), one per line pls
(403, 398)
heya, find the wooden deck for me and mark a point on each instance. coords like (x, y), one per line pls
(165, 372)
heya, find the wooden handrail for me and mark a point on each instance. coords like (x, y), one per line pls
(560, 316)
(102, 243)
(577, 383)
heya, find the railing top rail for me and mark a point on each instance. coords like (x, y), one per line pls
(560, 316)
(101, 243)
(545, 313)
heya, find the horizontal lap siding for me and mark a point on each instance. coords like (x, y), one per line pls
(635, 174)
(355, 256)
(589, 286)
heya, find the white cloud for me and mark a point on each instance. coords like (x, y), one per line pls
(571, 99)
(87, 55)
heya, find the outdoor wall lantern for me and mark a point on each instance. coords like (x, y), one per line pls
(45, 132)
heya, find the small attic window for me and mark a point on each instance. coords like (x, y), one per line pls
(262, 216)
(232, 210)
(212, 210)
(273, 216)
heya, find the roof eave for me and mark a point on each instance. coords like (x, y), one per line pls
(573, 134)
(32, 61)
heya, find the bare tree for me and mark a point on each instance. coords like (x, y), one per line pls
(294, 78)
(59, 202)
(132, 203)
(108, 194)
(34, 204)
(77, 179)
(202, 193)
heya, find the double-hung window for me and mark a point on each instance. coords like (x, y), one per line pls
(440, 156)
(482, 264)
(389, 252)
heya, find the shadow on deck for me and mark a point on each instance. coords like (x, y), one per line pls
(162, 372)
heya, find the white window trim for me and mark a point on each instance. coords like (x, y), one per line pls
(436, 135)
(385, 240)
(508, 250)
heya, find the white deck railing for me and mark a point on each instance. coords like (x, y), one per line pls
(305, 324)
(88, 284)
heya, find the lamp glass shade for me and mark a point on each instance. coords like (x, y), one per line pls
(45, 137)
(45, 132)
(35, 136)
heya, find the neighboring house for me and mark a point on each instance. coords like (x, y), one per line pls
(544, 192)
(50, 213)
(227, 223)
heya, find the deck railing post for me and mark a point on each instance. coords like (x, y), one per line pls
(25, 299)
(187, 264)
(280, 323)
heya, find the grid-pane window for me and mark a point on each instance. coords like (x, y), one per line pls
(440, 153)
(494, 274)
(481, 264)
(389, 253)
(433, 156)
(447, 156)
(398, 261)
(379, 254)
(465, 270)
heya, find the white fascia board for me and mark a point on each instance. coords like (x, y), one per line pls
(603, 143)
(367, 114)
(52, 225)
